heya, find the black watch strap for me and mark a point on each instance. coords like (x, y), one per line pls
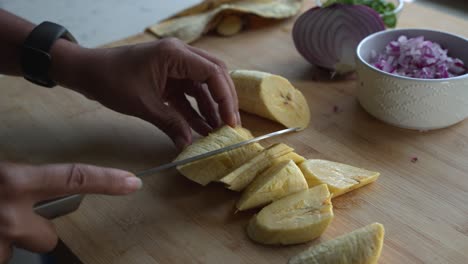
(35, 57)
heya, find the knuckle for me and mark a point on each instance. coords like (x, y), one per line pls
(216, 69)
(173, 124)
(222, 100)
(77, 177)
(221, 64)
(169, 44)
(4, 174)
(10, 185)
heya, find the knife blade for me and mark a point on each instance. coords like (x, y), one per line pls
(214, 152)
(65, 205)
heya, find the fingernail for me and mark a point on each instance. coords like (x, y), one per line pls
(239, 122)
(133, 183)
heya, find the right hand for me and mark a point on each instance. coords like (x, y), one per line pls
(22, 186)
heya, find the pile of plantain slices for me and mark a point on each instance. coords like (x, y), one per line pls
(295, 193)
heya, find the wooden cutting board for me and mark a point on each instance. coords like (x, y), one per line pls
(423, 205)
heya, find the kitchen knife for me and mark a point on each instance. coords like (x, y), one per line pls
(65, 205)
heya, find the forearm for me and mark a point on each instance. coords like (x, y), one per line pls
(68, 59)
(13, 31)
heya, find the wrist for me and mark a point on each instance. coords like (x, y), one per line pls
(67, 63)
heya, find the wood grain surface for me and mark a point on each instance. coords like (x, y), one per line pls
(423, 204)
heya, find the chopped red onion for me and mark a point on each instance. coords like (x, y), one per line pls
(417, 58)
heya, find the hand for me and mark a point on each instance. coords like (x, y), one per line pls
(22, 186)
(151, 81)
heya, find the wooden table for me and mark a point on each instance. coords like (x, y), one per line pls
(423, 205)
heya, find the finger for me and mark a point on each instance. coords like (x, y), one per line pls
(38, 234)
(179, 101)
(226, 75)
(172, 123)
(5, 251)
(190, 65)
(205, 103)
(51, 181)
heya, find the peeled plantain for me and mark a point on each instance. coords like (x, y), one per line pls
(229, 25)
(272, 97)
(362, 246)
(340, 178)
(280, 180)
(297, 218)
(192, 23)
(213, 168)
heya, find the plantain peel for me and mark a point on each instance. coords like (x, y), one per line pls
(297, 218)
(213, 168)
(362, 246)
(192, 23)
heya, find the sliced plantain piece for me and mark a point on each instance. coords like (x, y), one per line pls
(298, 159)
(271, 96)
(297, 218)
(362, 246)
(340, 178)
(213, 168)
(279, 180)
(229, 25)
(239, 178)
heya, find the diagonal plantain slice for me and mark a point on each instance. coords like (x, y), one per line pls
(297, 218)
(280, 180)
(340, 178)
(239, 178)
(213, 168)
(272, 97)
(362, 246)
(290, 156)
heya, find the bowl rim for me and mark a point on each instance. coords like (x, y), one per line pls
(376, 34)
(395, 11)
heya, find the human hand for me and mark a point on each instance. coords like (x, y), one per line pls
(22, 186)
(151, 81)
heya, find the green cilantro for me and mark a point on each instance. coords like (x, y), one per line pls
(381, 6)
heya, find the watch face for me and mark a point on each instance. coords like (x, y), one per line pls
(37, 68)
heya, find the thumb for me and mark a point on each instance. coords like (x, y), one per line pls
(51, 181)
(172, 123)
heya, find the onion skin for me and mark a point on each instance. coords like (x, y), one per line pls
(328, 37)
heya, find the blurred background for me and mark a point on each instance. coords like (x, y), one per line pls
(97, 22)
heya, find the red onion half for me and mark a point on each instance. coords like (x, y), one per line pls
(328, 37)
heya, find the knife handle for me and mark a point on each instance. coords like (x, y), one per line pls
(58, 207)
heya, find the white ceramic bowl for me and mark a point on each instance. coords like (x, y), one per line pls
(413, 103)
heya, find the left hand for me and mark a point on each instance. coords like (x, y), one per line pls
(151, 81)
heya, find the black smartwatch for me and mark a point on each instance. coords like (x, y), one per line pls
(35, 57)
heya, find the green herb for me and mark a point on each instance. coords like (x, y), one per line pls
(381, 6)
